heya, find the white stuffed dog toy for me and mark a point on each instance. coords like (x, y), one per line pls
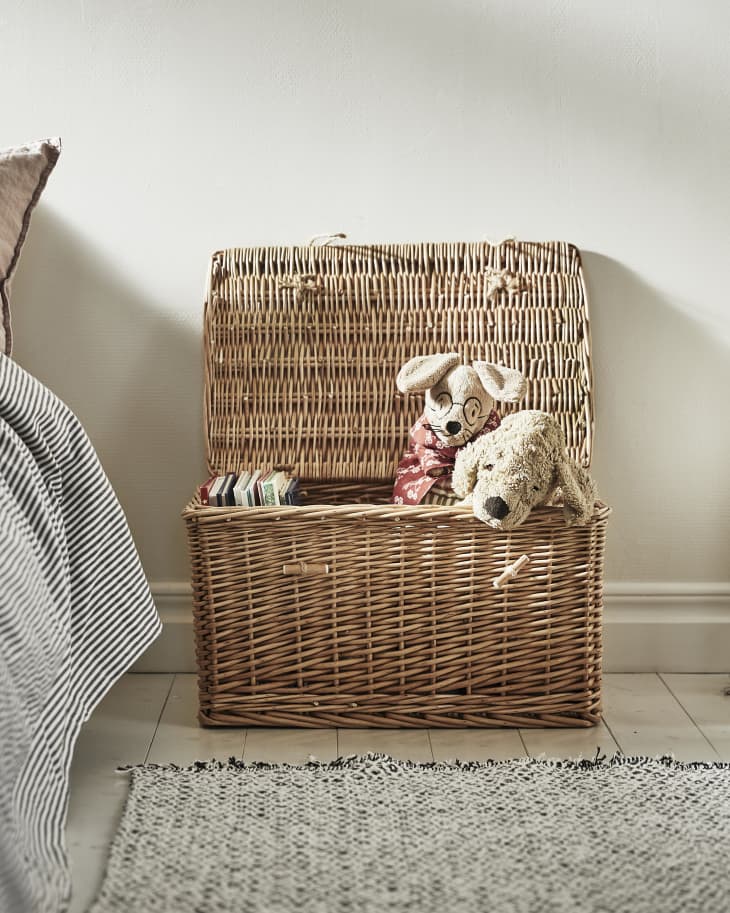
(503, 475)
(459, 407)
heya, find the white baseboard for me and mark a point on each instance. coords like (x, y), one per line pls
(174, 649)
(648, 627)
(666, 627)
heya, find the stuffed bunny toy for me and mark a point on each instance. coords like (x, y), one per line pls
(459, 407)
(503, 475)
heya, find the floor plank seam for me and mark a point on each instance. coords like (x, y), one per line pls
(612, 734)
(525, 752)
(699, 729)
(159, 717)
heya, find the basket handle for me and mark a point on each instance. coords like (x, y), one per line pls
(325, 240)
(511, 571)
(302, 569)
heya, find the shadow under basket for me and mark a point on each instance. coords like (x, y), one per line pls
(387, 616)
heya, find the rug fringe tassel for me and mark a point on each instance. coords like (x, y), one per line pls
(388, 763)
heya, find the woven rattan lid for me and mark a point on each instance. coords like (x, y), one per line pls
(303, 344)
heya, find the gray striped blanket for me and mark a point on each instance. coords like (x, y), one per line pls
(75, 612)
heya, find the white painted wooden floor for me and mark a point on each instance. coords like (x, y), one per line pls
(153, 718)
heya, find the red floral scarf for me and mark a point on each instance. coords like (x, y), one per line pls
(427, 461)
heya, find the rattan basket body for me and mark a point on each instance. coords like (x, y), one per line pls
(350, 611)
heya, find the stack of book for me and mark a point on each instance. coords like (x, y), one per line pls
(260, 488)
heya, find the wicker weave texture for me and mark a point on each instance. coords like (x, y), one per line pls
(384, 616)
(350, 611)
(303, 345)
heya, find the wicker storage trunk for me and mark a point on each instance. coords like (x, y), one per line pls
(349, 611)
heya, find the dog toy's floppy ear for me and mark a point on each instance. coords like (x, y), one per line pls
(578, 490)
(466, 466)
(424, 371)
(503, 384)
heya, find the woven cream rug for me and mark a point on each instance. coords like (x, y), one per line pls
(374, 835)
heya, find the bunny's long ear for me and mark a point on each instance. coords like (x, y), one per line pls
(424, 371)
(464, 476)
(578, 490)
(503, 384)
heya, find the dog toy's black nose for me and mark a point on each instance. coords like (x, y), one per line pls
(496, 508)
(453, 427)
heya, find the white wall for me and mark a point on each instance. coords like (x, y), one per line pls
(190, 126)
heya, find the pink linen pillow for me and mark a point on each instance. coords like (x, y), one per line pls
(24, 171)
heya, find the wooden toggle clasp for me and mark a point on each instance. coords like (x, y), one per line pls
(512, 570)
(303, 569)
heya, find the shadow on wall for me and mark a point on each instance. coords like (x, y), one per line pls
(662, 439)
(133, 375)
(129, 371)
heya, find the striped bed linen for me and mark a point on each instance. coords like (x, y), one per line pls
(75, 612)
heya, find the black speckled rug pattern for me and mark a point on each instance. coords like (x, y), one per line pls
(376, 835)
